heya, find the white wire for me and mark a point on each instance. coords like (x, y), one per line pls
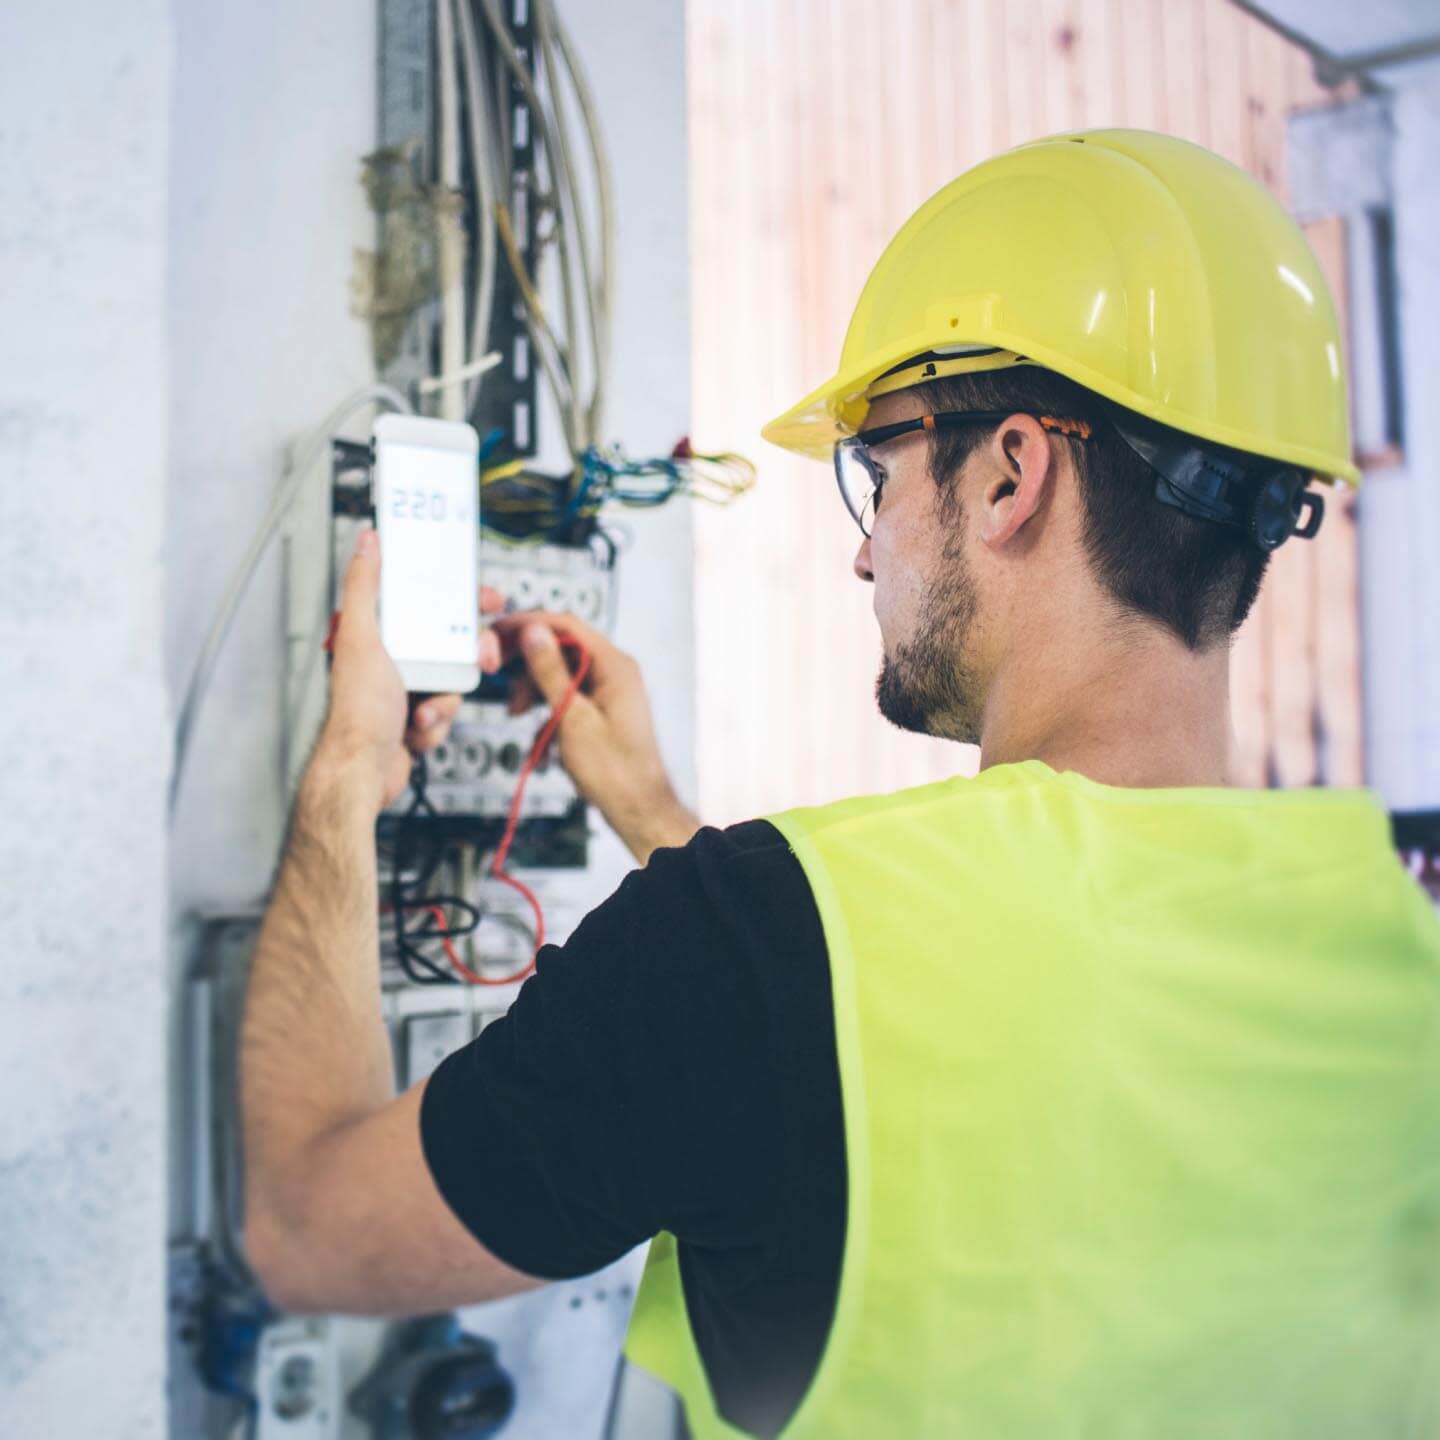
(466, 373)
(605, 196)
(567, 213)
(552, 147)
(549, 351)
(482, 159)
(505, 44)
(551, 354)
(556, 351)
(553, 40)
(290, 486)
(453, 339)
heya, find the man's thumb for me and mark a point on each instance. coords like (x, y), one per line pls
(545, 661)
(362, 581)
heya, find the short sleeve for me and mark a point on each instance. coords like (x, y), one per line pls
(634, 1084)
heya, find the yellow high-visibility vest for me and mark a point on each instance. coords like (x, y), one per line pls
(1142, 1119)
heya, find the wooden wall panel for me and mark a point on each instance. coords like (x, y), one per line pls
(1335, 587)
(816, 127)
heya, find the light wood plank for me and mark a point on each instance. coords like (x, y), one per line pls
(1339, 720)
(1292, 659)
(815, 126)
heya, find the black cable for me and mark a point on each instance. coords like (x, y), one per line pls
(418, 968)
(406, 896)
(419, 780)
(612, 550)
(447, 931)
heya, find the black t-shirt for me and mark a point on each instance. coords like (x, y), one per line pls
(671, 1067)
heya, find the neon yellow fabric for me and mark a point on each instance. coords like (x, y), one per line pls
(1143, 267)
(1142, 1109)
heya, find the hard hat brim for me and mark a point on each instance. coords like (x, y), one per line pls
(838, 408)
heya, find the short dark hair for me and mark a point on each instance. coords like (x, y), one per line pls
(1196, 578)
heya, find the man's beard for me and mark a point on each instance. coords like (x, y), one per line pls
(926, 686)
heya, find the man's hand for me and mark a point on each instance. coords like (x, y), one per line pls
(367, 734)
(607, 736)
(364, 734)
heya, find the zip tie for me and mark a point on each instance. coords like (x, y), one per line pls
(433, 383)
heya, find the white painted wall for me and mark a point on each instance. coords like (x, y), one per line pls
(84, 385)
(272, 107)
(274, 104)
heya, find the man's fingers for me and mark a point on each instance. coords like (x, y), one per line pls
(510, 627)
(523, 695)
(492, 602)
(420, 741)
(532, 635)
(545, 660)
(489, 653)
(430, 723)
(361, 590)
(440, 710)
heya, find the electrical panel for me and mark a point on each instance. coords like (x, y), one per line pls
(491, 277)
(238, 1366)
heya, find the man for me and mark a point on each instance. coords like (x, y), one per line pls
(1088, 1096)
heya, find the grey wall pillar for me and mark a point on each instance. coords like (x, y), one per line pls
(1402, 580)
(1376, 157)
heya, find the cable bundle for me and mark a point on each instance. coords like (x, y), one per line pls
(570, 333)
(417, 894)
(518, 499)
(494, 193)
(416, 847)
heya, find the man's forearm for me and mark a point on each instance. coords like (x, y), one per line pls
(645, 827)
(313, 1051)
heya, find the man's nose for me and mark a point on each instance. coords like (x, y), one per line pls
(862, 562)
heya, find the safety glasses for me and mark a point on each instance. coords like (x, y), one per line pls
(861, 478)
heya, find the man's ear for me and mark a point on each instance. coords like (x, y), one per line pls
(1019, 478)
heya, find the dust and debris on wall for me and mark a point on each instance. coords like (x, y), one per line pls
(389, 284)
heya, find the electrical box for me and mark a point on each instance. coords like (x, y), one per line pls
(491, 277)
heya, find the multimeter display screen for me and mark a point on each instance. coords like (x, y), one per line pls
(425, 510)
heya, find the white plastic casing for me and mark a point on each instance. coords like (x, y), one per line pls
(427, 498)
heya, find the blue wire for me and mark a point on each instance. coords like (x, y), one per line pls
(601, 478)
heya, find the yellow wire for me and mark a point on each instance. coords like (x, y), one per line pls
(501, 472)
(528, 292)
(511, 542)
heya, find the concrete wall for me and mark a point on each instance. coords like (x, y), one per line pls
(84, 142)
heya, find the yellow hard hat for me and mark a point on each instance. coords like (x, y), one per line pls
(1140, 266)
